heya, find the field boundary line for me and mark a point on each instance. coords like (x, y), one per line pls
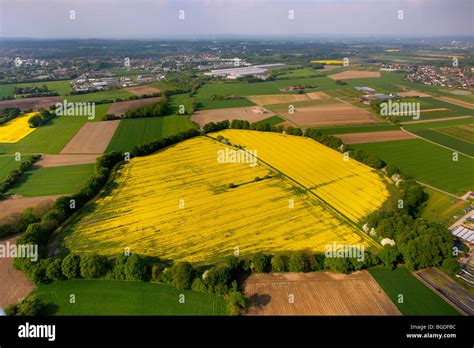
(439, 190)
(445, 298)
(430, 141)
(352, 223)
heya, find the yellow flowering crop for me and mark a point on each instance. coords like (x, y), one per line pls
(328, 62)
(351, 187)
(15, 130)
(179, 204)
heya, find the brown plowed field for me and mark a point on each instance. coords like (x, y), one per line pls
(329, 114)
(354, 74)
(13, 284)
(65, 160)
(142, 90)
(249, 113)
(276, 98)
(121, 108)
(30, 103)
(92, 138)
(320, 293)
(413, 93)
(374, 137)
(16, 205)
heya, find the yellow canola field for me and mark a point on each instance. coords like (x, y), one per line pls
(177, 205)
(351, 187)
(328, 62)
(15, 130)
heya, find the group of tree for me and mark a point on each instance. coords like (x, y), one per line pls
(7, 114)
(15, 174)
(40, 118)
(159, 108)
(225, 97)
(18, 222)
(34, 91)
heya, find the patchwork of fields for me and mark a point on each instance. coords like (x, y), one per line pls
(182, 204)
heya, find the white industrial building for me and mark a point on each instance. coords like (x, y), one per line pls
(235, 73)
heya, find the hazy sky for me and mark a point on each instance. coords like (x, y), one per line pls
(161, 18)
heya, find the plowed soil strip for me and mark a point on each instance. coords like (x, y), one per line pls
(92, 138)
(320, 293)
(65, 160)
(354, 74)
(13, 284)
(30, 103)
(142, 90)
(248, 113)
(374, 137)
(16, 205)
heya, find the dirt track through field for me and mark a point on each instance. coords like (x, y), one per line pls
(13, 284)
(16, 205)
(319, 293)
(329, 114)
(249, 113)
(65, 160)
(30, 103)
(354, 74)
(92, 138)
(121, 108)
(374, 137)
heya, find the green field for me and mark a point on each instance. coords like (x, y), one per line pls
(52, 137)
(115, 297)
(43, 181)
(462, 132)
(448, 141)
(60, 87)
(137, 131)
(441, 207)
(104, 95)
(272, 120)
(8, 163)
(437, 124)
(209, 104)
(417, 298)
(427, 162)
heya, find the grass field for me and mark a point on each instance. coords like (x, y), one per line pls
(60, 87)
(137, 131)
(447, 140)
(178, 204)
(437, 124)
(96, 96)
(8, 163)
(52, 137)
(427, 162)
(15, 130)
(115, 297)
(441, 207)
(52, 180)
(417, 298)
(272, 120)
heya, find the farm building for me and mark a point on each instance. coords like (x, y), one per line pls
(365, 89)
(463, 233)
